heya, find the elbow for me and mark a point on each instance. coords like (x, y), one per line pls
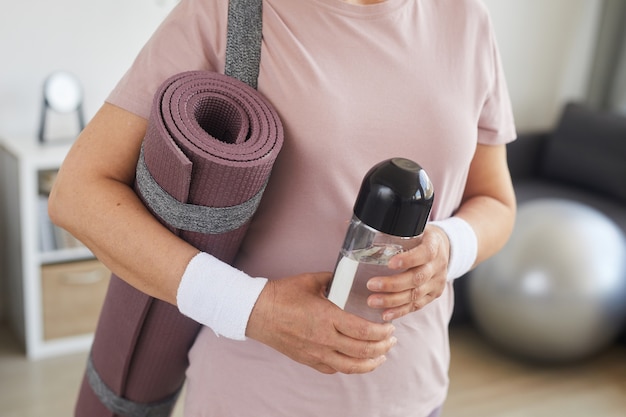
(61, 203)
(509, 211)
(56, 204)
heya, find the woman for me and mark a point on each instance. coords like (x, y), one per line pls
(354, 82)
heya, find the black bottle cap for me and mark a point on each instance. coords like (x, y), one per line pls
(395, 198)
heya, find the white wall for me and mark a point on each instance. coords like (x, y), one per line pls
(547, 51)
(96, 40)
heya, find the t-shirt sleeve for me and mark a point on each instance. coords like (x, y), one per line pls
(191, 37)
(496, 124)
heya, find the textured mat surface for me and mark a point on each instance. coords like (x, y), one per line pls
(207, 154)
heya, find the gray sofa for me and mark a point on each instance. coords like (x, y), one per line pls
(582, 159)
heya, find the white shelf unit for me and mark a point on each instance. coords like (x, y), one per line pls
(32, 311)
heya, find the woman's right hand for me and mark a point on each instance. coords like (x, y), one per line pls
(293, 316)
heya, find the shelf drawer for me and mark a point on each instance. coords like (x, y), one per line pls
(72, 294)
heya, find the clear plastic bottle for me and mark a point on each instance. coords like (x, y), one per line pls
(390, 214)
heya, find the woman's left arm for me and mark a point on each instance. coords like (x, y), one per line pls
(488, 206)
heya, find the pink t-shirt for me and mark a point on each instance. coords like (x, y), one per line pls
(353, 85)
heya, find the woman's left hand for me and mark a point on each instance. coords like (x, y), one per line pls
(422, 280)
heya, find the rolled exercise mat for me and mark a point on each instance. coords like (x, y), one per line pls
(206, 157)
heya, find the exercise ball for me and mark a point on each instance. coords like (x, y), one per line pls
(557, 291)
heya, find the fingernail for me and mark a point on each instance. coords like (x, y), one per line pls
(388, 316)
(375, 302)
(381, 359)
(374, 285)
(393, 340)
(395, 264)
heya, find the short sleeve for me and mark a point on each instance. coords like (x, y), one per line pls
(191, 37)
(496, 124)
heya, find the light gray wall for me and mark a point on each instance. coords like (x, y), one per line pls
(618, 97)
(607, 88)
(96, 40)
(547, 54)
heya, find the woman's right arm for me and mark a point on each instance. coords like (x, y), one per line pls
(93, 199)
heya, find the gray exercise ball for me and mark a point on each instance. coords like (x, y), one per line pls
(557, 291)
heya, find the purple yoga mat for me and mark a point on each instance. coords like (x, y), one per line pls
(211, 141)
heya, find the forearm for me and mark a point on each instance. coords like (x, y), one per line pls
(492, 222)
(489, 200)
(93, 199)
(484, 221)
(114, 224)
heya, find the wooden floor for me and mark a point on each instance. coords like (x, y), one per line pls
(485, 383)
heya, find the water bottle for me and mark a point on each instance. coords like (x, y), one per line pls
(389, 217)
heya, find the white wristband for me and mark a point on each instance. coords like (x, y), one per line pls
(463, 245)
(217, 295)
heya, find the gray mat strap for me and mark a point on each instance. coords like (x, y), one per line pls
(122, 406)
(243, 40)
(189, 217)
